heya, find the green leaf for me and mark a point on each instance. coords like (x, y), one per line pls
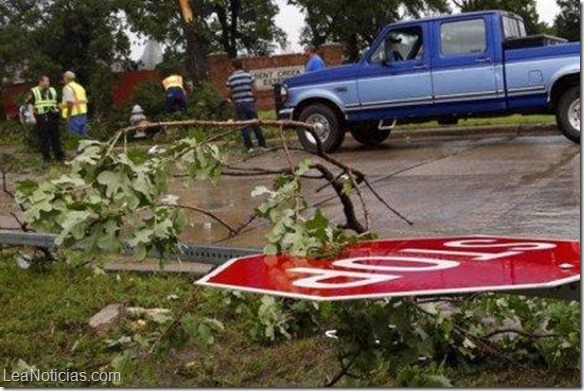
(205, 335)
(347, 187)
(318, 221)
(260, 190)
(27, 186)
(140, 252)
(303, 167)
(270, 249)
(436, 381)
(113, 182)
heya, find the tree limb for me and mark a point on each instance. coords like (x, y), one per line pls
(518, 332)
(232, 231)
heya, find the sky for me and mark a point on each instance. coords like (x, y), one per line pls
(291, 20)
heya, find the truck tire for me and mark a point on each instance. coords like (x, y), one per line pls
(568, 114)
(331, 134)
(368, 134)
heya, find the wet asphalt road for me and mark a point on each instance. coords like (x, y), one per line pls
(518, 186)
(525, 186)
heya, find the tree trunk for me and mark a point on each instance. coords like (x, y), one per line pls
(235, 6)
(196, 52)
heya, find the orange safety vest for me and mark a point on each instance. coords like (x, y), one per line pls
(173, 81)
(80, 103)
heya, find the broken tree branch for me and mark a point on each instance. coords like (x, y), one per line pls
(232, 231)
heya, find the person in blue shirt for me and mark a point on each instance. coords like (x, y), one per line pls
(315, 62)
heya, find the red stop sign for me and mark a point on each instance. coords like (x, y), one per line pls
(415, 267)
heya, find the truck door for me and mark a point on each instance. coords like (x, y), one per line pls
(467, 74)
(396, 77)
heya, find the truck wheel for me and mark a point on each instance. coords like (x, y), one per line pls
(331, 134)
(568, 114)
(369, 135)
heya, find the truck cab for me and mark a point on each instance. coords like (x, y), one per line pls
(442, 68)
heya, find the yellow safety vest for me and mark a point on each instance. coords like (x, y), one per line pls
(48, 103)
(80, 103)
(173, 81)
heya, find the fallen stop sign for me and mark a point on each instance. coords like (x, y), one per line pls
(389, 268)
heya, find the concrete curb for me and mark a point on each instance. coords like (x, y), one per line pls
(195, 268)
(481, 131)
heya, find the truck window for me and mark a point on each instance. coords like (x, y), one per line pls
(513, 27)
(400, 45)
(465, 37)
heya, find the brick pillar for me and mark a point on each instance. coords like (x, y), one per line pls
(332, 54)
(219, 66)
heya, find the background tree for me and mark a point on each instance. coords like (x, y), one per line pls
(233, 26)
(567, 23)
(52, 36)
(527, 9)
(355, 23)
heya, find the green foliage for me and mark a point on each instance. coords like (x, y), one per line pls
(112, 199)
(567, 23)
(415, 344)
(52, 36)
(206, 102)
(526, 9)
(292, 231)
(355, 24)
(230, 26)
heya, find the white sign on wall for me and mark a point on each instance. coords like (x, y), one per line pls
(266, 78)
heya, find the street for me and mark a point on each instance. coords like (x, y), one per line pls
(526, 186)
(516, 186)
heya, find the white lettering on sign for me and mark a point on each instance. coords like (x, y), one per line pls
(486, 243)
(317, 281)
(266, 78)
(476, 256)
(320, 276)
(435, 264)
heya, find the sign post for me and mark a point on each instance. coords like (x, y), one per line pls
(417, 267)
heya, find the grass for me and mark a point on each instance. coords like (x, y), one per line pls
(44, 323)
(495, 121)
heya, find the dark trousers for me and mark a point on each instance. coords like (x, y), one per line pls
(175, 100)
(49, 136)
(245, 111)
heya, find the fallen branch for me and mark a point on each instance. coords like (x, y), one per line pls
(216, 124)
(518, 332)
(232, 231)
(382, 200)
(348, 207)
(23, 225)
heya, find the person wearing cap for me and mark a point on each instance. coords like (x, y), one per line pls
(42, 102)
(176, 98)
(315, 62)
(74, 106)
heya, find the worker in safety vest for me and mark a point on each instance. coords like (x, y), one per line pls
(176, 99)
(42, 101)
(74, 106)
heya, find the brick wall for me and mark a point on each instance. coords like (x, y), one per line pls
(267, 70)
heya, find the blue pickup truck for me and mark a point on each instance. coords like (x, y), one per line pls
(443, 68)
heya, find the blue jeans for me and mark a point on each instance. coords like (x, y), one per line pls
(245, 111)
(175, 100)
(77, 124)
